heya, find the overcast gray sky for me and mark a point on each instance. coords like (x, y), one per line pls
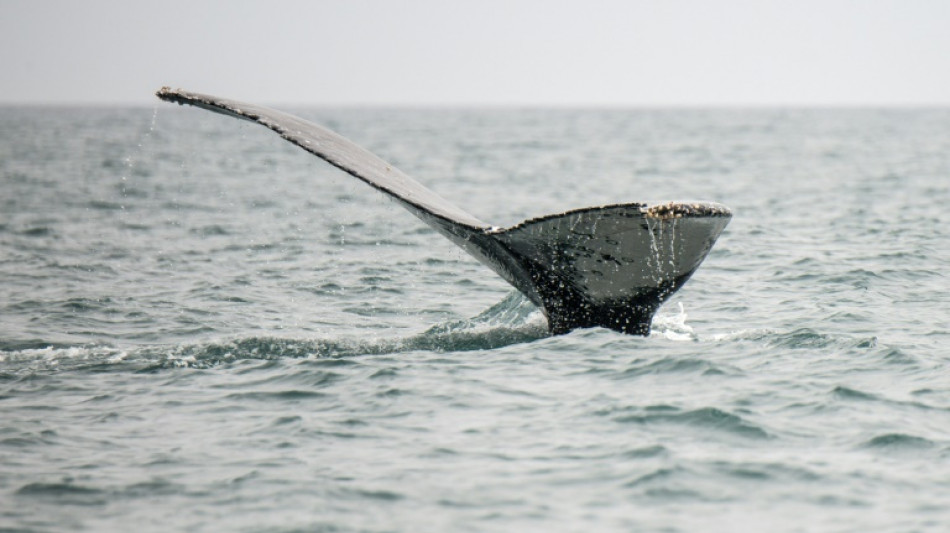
(480, 52)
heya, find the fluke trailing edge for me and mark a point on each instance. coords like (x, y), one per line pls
(610, 266)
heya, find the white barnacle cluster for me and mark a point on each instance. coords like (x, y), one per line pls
(667, 211)
(673, 210)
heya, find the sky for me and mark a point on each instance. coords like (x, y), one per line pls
(635, 53)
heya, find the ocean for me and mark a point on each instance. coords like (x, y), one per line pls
(204, 328)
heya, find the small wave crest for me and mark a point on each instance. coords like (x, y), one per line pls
(55, 357)
(706, 418)
(899, 442)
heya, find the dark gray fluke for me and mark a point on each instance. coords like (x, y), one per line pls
(610, 266)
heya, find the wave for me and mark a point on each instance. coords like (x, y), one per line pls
(899, 441)
(708, 418)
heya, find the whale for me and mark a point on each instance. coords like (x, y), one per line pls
(609, 266)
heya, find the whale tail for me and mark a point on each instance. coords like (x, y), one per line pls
(609, 266)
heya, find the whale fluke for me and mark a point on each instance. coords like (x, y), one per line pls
(609, 266)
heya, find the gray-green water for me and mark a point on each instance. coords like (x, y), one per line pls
(205, 329)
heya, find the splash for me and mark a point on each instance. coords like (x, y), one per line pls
(673, 326)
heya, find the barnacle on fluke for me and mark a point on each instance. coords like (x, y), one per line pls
(680, 210)
(610, 266)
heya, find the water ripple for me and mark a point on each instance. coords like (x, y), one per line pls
(703, 418)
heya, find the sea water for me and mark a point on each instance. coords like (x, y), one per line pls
(203, 328)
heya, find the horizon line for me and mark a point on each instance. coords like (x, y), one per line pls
(510, 105)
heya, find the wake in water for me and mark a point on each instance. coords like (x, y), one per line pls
(513, 320)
